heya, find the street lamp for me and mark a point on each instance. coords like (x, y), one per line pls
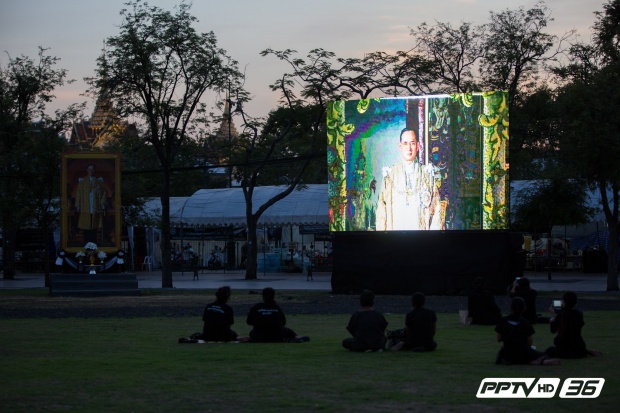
(238, 109)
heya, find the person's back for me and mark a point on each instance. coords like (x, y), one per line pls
(569, 341)
(267, 320)
(521, 288)
(567, 323)
(218, 318)
(367, 326)
(420, 323)
(515, 330)
(481, 305)
(420, 326)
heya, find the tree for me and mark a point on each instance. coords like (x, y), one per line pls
(301, 119)
(39, 189)
(286, 126)
(535, 130)
(29, 153)
(516, 48)
(158, 69)
(589, 102)
(454, 54)
(551, 202)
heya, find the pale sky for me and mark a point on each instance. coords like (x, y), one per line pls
(74, 30)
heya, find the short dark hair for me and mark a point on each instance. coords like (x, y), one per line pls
(570, 299)
(418, 300)
(367, 298)
(269, 295)
(402, 132)
(523, 284)
(223, 293)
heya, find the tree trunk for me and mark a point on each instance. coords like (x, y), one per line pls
(612, 255)
(166, 248)
(252, 257)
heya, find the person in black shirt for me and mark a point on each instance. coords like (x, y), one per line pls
(567, 323)
(481, 305)
(420, 327)
(515, 332)
(269, 322)
(367, 326)
(521, 288)
(218, 318)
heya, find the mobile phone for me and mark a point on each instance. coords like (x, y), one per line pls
(557, 305)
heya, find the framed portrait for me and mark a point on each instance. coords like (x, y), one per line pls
(91, 201)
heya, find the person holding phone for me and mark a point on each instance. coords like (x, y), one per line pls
(515, 332)
(521, 288)
(567, 324)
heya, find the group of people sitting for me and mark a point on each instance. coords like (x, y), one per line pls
(267, 319)
(515, 330)
(368, 327)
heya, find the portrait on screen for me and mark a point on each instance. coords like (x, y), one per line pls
(419, 163)
(90, 201)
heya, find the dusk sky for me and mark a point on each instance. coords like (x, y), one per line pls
(75, 30)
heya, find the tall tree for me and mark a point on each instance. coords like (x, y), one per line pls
(590, 103)
(535, 129)
(260, 146)
(158, 69)
(516, 49)
(272, 156)
(39, 185)
(26, 86)
(454, 53)
(552, 202)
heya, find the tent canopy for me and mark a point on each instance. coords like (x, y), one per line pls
(223, 207)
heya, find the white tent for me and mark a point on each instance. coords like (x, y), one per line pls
(223, 207)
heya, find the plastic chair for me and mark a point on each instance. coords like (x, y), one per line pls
(146, 263)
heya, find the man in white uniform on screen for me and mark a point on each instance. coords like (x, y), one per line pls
(408, 198)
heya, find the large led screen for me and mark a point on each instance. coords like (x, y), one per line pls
(419, 163)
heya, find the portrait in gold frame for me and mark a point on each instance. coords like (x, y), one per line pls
(90, 201)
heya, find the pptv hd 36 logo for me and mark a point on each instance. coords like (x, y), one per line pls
(545, 387)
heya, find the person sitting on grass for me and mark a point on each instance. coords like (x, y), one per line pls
(521, 288)
(420, 328)
(481, 305)
(218, 318)
(515, 332)
(269, 322)
(367, 326)
(567, 323)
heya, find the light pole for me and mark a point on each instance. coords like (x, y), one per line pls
(238, 109)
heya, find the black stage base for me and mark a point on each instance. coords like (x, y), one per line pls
(432, 262)
(93, 285)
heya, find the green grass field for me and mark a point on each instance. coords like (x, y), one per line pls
(137, 365)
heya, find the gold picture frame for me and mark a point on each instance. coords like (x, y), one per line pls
(90, 201)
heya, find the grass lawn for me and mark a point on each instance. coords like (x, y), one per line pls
(136, 365)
